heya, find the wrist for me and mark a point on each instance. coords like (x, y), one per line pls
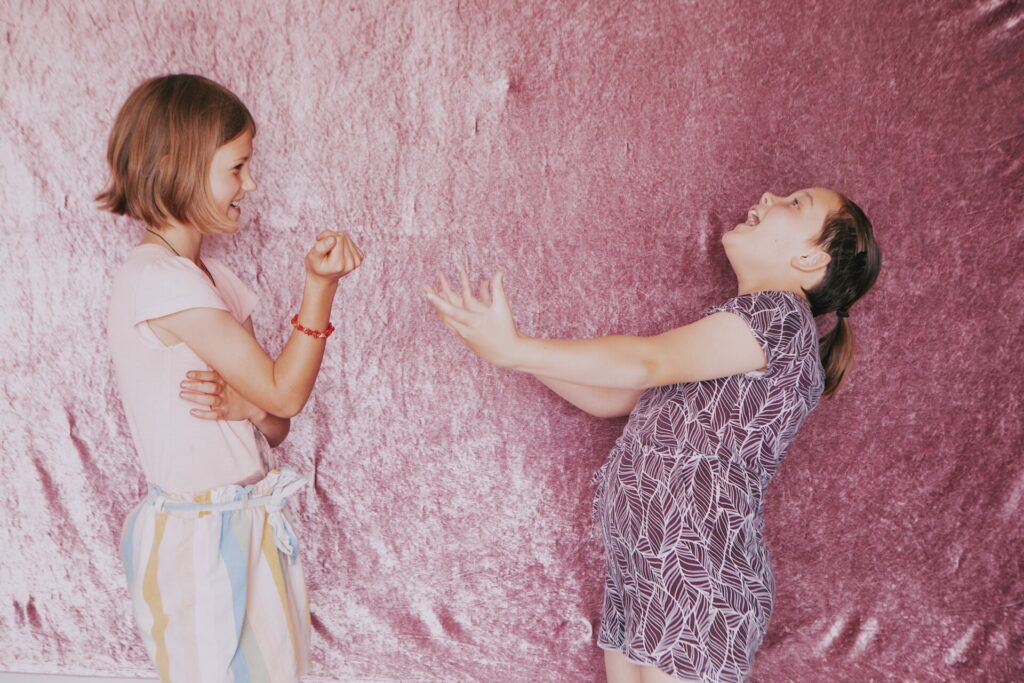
(320, 285)
(257, 415)
(518, 353)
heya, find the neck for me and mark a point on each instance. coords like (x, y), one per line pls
(186, 241)
(750, 285)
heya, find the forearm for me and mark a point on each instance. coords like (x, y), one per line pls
(274, 428)
(598, 401)
(296, 369)
(614, 362)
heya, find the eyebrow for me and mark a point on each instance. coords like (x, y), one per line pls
(242, 160)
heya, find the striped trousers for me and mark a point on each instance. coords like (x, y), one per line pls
(216, 583)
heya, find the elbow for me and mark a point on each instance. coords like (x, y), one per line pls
(288, 407)
(646, 374)
(291, 410)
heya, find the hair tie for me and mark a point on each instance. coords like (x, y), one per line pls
(842, 314)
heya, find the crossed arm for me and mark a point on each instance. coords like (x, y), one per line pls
(246, 383)
(220, 401)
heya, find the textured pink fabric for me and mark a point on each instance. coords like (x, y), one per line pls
(597, 151)
(177, 452)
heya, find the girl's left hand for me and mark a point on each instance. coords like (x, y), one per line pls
(218, 400)
(484, 324)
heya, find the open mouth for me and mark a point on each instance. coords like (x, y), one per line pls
(752, 217)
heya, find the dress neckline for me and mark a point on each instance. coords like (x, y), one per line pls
(207, 273)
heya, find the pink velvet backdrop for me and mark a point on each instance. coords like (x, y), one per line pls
(596, 151)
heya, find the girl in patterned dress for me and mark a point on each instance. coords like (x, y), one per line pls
(210, 555)
(712, 407)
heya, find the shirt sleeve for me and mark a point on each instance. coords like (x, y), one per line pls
(241, 297)
(170, 285)
(774, 319)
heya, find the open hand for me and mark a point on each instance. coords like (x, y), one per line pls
(333, 256)
(484, 323)
(218, 400)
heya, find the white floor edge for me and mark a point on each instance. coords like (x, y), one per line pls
(11, 677)
(51, 678)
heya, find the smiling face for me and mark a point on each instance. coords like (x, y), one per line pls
(230, 177)
(775, 247)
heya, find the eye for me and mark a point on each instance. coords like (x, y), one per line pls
(796, 203)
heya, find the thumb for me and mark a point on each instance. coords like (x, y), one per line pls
(325, 245)
(498, 289)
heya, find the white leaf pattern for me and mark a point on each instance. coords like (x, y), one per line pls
(688, 582)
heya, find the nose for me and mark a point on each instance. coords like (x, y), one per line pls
(768, 199)
(249, 184)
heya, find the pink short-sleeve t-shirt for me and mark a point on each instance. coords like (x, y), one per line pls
(179, 452)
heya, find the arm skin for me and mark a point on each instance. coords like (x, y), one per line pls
(597, 401)
(280, 387)
(274, 428)
(719, 345)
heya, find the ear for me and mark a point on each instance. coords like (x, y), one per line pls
(812, 261)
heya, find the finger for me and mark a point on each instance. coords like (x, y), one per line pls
(454, 326)
(205, 387)
(344, 258)
(357, 257)
(446, 289)
(498, 289)
(454, 312)
(468, 300)
(324, 245)
(203, 375)
(200, 398)
(205, 414)
(351, 242)
(485, 293)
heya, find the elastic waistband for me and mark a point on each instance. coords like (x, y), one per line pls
(271, 493)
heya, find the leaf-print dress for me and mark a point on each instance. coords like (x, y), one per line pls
(688, 578)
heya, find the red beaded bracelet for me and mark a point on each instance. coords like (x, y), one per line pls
(312, 333)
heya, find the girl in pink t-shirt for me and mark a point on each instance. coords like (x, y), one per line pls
(211, 557)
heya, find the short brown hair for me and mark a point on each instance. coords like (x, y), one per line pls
(161, 147)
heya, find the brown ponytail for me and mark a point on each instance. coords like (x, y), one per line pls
(855, 262)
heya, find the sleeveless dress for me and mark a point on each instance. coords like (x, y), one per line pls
(688, 577)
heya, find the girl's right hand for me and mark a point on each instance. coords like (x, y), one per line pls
(333, 256)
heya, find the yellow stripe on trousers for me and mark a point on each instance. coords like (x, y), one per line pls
(274, 560)
(151, 594)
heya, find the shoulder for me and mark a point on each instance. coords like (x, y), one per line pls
(765, 302)
(148, 265)
(241, 297)
(223, 273)
(780, 321)
(166, 284)
(152, 262)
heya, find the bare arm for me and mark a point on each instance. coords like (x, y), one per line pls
(218, 400)
(598, 401)
(719, 345)
(280, 387)
(274, 428)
